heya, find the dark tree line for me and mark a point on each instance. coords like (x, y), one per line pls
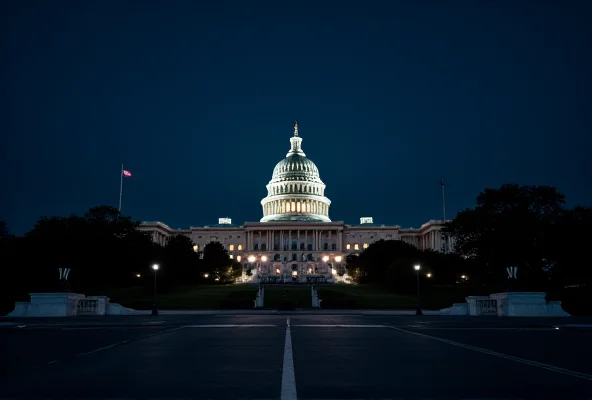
(528, 227)
(104, 250)
(390, 264)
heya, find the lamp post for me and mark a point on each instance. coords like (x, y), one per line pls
(418, 310)
(154, 309)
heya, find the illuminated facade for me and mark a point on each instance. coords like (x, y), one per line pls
(296, 240)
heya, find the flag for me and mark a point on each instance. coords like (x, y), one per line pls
(127, 173)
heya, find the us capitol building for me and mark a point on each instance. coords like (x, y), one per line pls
(296, 241)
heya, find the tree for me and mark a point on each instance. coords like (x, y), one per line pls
(569, 241)
(216, 259)
(3, 229)
(510, 226)
(180, 261)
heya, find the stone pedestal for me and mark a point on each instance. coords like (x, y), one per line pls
(472, 304)
(53, 304)
(102, 302)
(520, 304)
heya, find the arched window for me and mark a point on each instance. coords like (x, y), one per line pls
(298, 207)
(231, 247)
(293, 206)
(356, 246)
(196, 247)
(348, 246)
(240, 247)
(365, 245)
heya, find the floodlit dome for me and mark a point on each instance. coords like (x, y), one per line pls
(296, 191)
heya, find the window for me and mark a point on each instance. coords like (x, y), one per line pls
(240, 246)
(301, 246)
(256, 246)
(263, 247)
(365, 245)
(238, 258)
(356, 247)
(231, 256)
(294, 257)
(196, 247)
(333, 246)
(348, 246)
(231, 247)
(325, 246)
(309, 247)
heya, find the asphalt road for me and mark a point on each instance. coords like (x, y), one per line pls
(316, 357)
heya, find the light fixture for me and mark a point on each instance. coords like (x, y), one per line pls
(325, 258)
(416, 267)
(429, 274)
(338, 259)
(463, 277)
(138, 275)
(252, 259)
(238, 258)
(155, 267)
(206, 275)
(264, 258)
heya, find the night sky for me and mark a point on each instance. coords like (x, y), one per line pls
(198, 100)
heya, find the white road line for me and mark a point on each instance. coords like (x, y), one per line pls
(232, 326)
(483, 329)
(127, 341)
(501, 355)
(338, 326)
(288, 377)
(101, 348)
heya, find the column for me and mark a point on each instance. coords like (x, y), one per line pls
(290, 239)
(298, 238)
(329, 242)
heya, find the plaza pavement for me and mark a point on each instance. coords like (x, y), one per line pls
(295, 355)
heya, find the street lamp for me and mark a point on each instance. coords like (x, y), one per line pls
(251, 259)
(154, 309)
(418, 310)
(429, 274)
(338, 259)
(264, 258)
(325, 258)
(138, 275)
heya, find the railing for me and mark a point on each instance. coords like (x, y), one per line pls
(87, 307)
(486, 307)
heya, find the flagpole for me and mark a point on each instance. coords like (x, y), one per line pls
(443, 201)
(120, 186)
(445, 237)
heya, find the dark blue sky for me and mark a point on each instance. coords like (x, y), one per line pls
(198, 102)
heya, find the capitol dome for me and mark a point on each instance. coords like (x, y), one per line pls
(296, 191)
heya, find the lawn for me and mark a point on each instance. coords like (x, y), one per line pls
(362, 297)
(204, 297)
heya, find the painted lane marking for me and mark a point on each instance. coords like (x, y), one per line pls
(288, 377)
(338, 326)
(128, 341)
(481, 329)
(233, 326)
(101, 348)
(501, 355)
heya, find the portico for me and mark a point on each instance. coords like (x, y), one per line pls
(299, 251)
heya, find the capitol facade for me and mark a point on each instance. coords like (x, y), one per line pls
(296, 241)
